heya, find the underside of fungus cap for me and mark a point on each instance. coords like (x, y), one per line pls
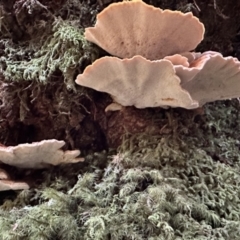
(130, 28)
(218, 78)
(12, 185)
(38, 154)
(137, 82)
(3, 174)
(7, 184)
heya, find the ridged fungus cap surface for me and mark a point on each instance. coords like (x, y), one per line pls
(137, 82)
(126, 29)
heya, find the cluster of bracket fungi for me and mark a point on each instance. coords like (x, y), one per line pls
(154, 67)
(154, 64)
(35, 156)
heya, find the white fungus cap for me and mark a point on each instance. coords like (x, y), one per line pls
(130, 28)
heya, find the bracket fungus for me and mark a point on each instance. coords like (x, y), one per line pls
(38, 154)
(7, 184)
(137, 82)
(218, 78)
(11, 185)
(130, 28)
(157, 69)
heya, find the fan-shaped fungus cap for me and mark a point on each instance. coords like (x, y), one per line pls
(181, 63)
(188, 64)
(218, 78)
(38, 154)
(137, 82)
(130, 28)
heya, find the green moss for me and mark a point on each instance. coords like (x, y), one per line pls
(155, 187)
(175, 186)
(62, 50)
(188, 196)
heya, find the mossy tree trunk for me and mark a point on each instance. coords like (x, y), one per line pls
(33, 109)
